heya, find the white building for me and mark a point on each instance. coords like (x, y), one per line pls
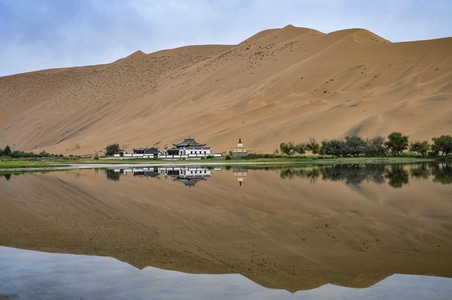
(188, 148)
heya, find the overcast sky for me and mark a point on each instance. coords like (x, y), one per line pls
(43, 34)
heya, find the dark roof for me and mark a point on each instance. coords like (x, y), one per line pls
(146, 150)
(189, 142)
(146, 174)
(189, 181)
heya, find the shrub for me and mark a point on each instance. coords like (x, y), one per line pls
(112, 149)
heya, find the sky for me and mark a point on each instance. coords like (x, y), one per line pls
(45, 34)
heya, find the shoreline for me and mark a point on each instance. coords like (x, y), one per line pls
(110, 165)
(301, 162)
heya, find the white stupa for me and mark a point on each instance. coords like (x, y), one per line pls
(239, 150)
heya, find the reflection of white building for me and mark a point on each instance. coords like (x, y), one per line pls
(187, 175)
(188, 148)
(186, 172)
(240, 174)
(141, 172)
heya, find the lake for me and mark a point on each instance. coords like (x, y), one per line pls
(249, 232)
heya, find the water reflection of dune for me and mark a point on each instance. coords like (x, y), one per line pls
(288, 234)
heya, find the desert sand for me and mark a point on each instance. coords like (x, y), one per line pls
(279, 85)
(288, 234)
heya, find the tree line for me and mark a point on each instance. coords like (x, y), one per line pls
(395, 144)
(22, 154)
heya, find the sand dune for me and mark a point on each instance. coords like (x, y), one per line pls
(285, 84)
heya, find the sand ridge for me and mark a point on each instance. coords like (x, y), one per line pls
(286, 84)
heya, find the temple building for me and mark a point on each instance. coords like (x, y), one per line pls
(188, 148)
(239, 150)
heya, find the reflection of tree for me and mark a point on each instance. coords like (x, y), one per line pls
(351, 174)
(442, 174)
(112, 175)
(313, 174)
(354, 174)
(6, 175)
(291, 173)
(397, 176)
(421, 172)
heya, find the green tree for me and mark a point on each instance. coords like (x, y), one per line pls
(397, 142)
(300, 148)
(333, 147)
(7, 151)
(43, 153)
(112, 149)
(420, 147)
(313, 146)
(443, 144)
(435, 149)
(375, 146)
(286, 148)
(354, 145)
(324, 147)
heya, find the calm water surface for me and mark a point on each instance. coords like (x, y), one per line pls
(342, 232)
